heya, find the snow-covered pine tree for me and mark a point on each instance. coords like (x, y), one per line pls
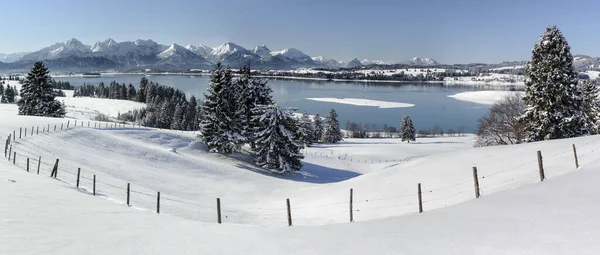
(216, 128)
(278, 143)
(317, 128)
(9, 95)
(407, 130)
(131, 93)
(141, 95)
(190, 115)
(166, 114)
(2, 98)
(333, 134)
(178, 122)
(554, 101)
(245, 103)
(591, 104)
(306, 129)
(37, 96)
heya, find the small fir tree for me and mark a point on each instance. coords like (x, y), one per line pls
(332, 134)
(407, 130)
(278, 142)
(317, 128)
(306, 130)
(37, 96)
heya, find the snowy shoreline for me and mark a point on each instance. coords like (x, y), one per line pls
(483, 97)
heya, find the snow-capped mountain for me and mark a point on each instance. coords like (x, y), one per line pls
(417, 61)
(200, 50)
(261, 50)
(137, 53)
(583, 62)
(12, 57)
(324, 62)
(70, 48)
(177, 56)
(293, 54)
(353, 63)
(371, 62)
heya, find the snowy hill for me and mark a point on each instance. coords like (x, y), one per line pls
(12, 57)
(294, 55)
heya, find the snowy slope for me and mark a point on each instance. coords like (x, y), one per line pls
(177, 56)
(554, 217)
(200, 50)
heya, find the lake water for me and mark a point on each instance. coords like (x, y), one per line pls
(432, 104)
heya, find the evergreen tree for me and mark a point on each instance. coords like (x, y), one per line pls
(37, 96)
(142, 92)
(317, 128)
(178, 122)
(191, 114)
(131, 93)
(2, 99)
(407, 130)
(217, 126)
(9, 95)
(591, 104)
(554, 101)
(306, 130)
(278, 142)
(333, 134)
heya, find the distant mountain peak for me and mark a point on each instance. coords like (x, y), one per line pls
(353, 63)
(261, 50)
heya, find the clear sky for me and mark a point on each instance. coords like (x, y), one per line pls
(450, 31)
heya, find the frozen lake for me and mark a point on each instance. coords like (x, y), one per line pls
(367, 103)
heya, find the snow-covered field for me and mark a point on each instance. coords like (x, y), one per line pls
(483, 97)
(515, 215)
(363, 102)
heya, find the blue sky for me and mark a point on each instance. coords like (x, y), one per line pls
(458, 31)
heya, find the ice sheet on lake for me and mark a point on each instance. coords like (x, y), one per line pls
(363, 102)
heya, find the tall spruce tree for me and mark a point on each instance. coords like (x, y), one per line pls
(332, 134)
(9, 95)
(591, 104)
(554, 101)
(407, 130)
(278, 144)
(317, 128)
(37, 96)
(218, 123)
(2, 98)
(306, 129)
(142, 93)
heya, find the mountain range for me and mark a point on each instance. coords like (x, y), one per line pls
(73, 55)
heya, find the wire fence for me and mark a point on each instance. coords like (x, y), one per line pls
(23, 155)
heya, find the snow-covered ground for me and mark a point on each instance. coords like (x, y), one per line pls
(492, 79)
(483, 97)
(363, 102)
(515, 215)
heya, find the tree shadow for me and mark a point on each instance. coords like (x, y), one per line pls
(309, 173)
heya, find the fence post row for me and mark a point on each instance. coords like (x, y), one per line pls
(128, 186)
(476, 180)
(541, 166)
(351, 210)
(420, 198)
(39, 163)
(289, 212)
(219, 210)
(54, 170)
(575, 154)
(158, 202)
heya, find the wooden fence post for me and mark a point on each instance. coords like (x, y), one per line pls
(128, 194)
(88, 123)
(32, 130)
(25, 132)
(420, 198)
(6, 146)
(94, 186)
(14, 135)
(44, 130)
(575, 154)
(219, 210)
(75, 124)
(61, 126)
(14, 158)
(27, 164)
(289, 212)
(37, 131)
(20, 132)
(39, 163)
(48, 128)
(54, 127)
(476, 179)
(351, 210)
(9, 152)
(541, 166)
(54, 170)
(78, 173)
(68, 122)
(158, 202)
